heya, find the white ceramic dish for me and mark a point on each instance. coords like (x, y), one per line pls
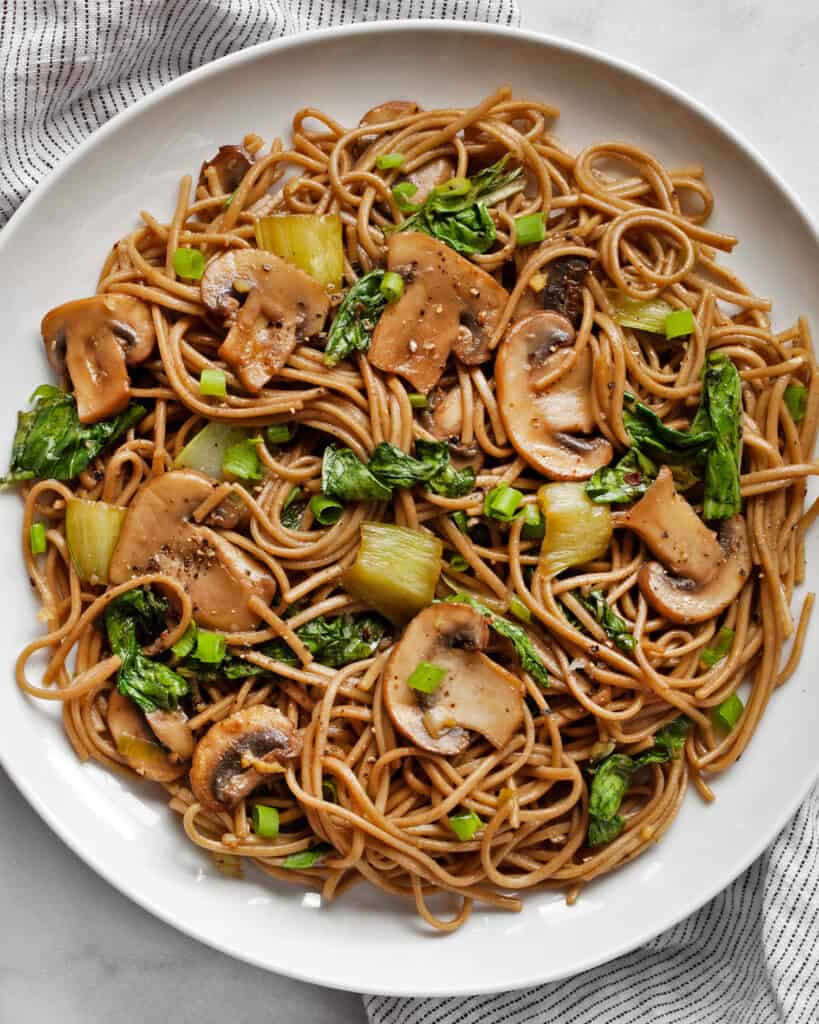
(51, 252)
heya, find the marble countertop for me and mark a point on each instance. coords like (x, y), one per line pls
(72, 948)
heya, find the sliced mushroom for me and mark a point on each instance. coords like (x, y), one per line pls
(708, 569)
(475, 695)
(220, 776)
(448, 304)
(134, 740)
(443, 418)
(384, 112)
(172, 730)
(231, 164)
(429, 176)
(546, 426)
(282, 306)
(159, 536)
(93, 341)
(564, 287)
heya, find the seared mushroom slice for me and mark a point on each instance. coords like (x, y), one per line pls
(219, 775)
(231, 164)
(172, 730)
(475, 695)
(282, 306)
(707, 569)
(546, 425)
(384, 112)
(93, 340)
(448, 304)
(429, 176)
(134, 740)
(159, 536)
(443, 418)
(564, 287)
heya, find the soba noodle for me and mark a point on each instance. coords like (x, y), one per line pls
(643, 228)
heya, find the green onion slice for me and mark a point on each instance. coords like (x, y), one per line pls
(210, 647)
(212, 383)
(460, 520)
(278, 433)
(679, 323)
(534, 525)
(189, 263)
(726, 715)
(186, 643)
(502, 503)
(306, 858)
(328, 788)
(711, 655)
(417, 400)
(519, 609)
(465, 824)
(265, 821)
(453, 187)
(402, 193)
(426, 677)
(530, 229)
(392, 286)
(458, 563)
(37, 538)
(387, 161)
(327, 511)
(796, 399)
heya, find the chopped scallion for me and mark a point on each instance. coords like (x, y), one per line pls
(186, 643)
(210, 647)
(212, 383)
(328, 788)
(711, 655)
(519, 609)
(387, 161)
(278, 433)
(189, 263)
(453, 187)
(265, 821)
(37, 538)
(726, 715)
(306, 858)
(392, 286)
(534, 526)
(502, 503)
(226, 203)
(679, 323)
(796, 399)
(403, 192)
(426, 677)
(530, 229)
(417, 400)
(460, 520)
(465, 824)
(458, 563)
(327, 511)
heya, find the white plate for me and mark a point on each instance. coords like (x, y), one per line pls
(51, 251)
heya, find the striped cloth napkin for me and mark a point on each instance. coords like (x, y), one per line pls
(751, 956)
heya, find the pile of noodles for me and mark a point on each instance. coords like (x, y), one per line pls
(642, 226)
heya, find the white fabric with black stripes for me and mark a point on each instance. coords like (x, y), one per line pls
(751, 956)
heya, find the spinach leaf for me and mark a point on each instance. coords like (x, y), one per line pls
(356, 318)
(293, 509)
(456, 212)
(230, 667)
(796, 399)
(50, 441)
(612, 778)
(624, 482)
(344, 476)
(720, 412)
(596, 604)
(662, 443)
(149, 683)
(334, 642)
(530, 660)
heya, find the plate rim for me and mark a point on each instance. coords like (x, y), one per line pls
(81, 846)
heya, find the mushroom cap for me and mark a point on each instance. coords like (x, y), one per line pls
(544, 424)
(683, 600)
(448, 304)
(218, 778)
(381, 114)
(283, 306)
(231, 164)
(137, 744)
(673, 531)
(159, 536)
(93, 341)
(475, 695)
